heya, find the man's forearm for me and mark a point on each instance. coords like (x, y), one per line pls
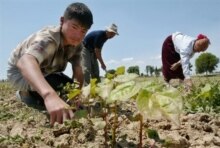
(99, 56)
(78, 74)
(30, 70)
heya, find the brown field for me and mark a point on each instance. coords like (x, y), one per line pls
(22, 126)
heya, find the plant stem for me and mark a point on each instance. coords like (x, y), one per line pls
(140, 132)
(105, 113)
(114, 125)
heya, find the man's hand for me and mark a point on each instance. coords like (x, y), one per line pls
(175, 66)
(57, 109)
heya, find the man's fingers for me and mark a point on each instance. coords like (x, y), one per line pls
(71, 114)
(59, 118)
(52, 118)
(65, 115)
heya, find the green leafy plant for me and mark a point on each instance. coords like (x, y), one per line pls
(17, 139)
(204, 98)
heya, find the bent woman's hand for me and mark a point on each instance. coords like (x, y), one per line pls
(174, 66)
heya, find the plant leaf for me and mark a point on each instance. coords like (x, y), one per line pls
(153, 134)
(104, 89)
(123, 92)
(120, 70)
(73, 93)
(125, 78)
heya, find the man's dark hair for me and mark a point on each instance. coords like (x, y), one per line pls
(81, 13)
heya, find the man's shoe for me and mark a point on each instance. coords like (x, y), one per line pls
(28, 99)
(23, 95)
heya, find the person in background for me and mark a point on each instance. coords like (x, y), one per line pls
(92, 52)
(37, 63)
(177, 50)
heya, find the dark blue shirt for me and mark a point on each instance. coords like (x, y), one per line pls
(95, 39)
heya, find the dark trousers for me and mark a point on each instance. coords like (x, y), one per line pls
(55, 80)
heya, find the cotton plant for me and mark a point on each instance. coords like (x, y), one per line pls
(166, 103)
(204, 98)
(116, 90)
(153, 99)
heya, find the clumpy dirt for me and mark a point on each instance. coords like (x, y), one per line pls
(22, 126)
